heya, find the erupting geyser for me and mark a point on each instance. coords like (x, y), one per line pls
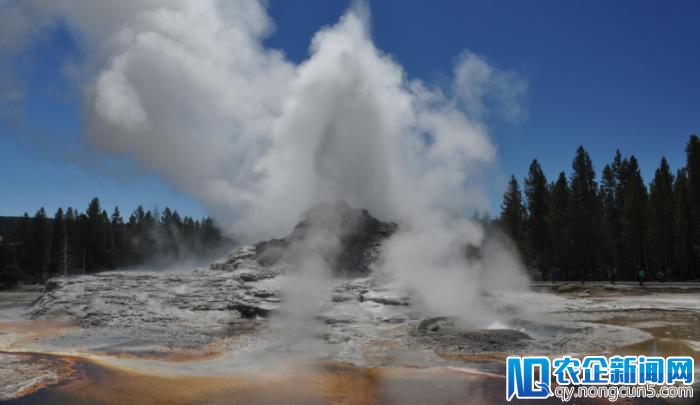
(383, 290)
(190, 91)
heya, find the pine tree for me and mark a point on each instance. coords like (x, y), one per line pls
(620, 169)
(537, 228)
(59, 245)
(189, 233)
(96, 242)
(117, 240)
(140, 215)
(148, 235)
(105, 253)
(611, 226)
(513, 213)
(661, 221)
(23, 236)
(135, 230)
(211, 236)
(176, 228)
(682, 227)
(633, 220)
(75, 241)
(692, 151)
(41, 246)
(560, 224)
(10, 272)
(584, 216)
(169, 233)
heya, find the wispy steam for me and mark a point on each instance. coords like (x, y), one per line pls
(189, 90)
(482, 88)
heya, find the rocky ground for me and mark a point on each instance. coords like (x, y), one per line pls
(226, 318)
(138, 313)
(238, 315)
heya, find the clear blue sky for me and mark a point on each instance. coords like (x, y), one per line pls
(605, 74)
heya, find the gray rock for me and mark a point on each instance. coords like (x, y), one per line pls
(361, 236)
(446, 334)
(183, 310)
(385, 298)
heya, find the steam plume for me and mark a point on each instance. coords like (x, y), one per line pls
(188, 89)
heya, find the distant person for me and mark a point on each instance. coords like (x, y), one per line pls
(642, 276)
(660, 276)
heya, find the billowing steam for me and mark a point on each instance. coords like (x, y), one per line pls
(189, 90)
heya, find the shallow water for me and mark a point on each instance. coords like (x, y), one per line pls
(675, 333)
(325, 383)
(319, 384)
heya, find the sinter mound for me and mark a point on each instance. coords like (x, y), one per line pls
(360, 237)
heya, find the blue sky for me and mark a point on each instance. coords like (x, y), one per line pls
(605, 74)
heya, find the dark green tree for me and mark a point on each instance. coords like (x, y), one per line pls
(682, 228)
(10, 272)
(94, 244)
(512, 217)
(692, 165)
(560, 224)
(59, 245)
(23, 236)
(75, 241)
(633, 220)
(118, 242)
(135, 229)
(189, 234)
(611, 223)
(40, 247)
(169, 231)
(211, 235)
(105, 230)
(620, 169)
(661, 221)
(538, 246)
(585, 217)
(149, 234)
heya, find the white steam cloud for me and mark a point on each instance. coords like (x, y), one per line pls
(190, 91)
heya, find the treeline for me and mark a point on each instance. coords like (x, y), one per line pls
(580, 228)
(74, 242)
